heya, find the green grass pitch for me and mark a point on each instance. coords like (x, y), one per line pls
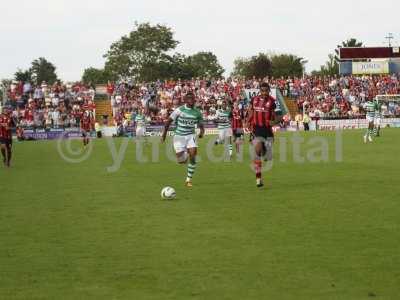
(328, 230)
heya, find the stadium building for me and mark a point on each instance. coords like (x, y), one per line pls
(369, 60)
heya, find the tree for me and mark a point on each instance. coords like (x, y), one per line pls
(330, 68)
(43, 70)
(24, 76)
(205, 64)
(240, 67)
(285, 65)
(259, 66)
(97, 76)
(142, 53)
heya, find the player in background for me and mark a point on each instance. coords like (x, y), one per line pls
(86, 127)
(261, 118)
(223, 119)
(370, 107)
(6, 124)
(140, 124)
(237, 126)
(186, 118)
(377, 118)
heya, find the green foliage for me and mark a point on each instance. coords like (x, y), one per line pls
(43, 70)
(204, 64)
(331, 67)
(263, 65)
(259, 66)
(142, 54)
(285, 65)
(24, 76)
(97, 76)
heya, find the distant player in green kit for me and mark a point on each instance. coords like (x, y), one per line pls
(140, 124)
(377, 118)
(370, 107)
(224, 121)
(186, 119)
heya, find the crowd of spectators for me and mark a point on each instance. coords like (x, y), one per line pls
(61, 105)
(343, 97)
(160, 98)
(49, 106)
(319, 97)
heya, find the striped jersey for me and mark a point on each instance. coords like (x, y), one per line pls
(378, 109)
(224, 118)
(140, 120)
(186, 119)
(370, 108)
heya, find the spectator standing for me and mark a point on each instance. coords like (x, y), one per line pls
(306, 122)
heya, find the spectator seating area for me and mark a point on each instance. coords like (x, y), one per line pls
(61, 105)
(49, 106)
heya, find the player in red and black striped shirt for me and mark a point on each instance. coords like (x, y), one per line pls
(86, 126)
(261, 117)
(6, 123)
(237, 126)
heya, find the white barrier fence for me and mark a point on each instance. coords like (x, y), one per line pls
(323, 125)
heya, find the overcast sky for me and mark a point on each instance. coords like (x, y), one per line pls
(74, 34)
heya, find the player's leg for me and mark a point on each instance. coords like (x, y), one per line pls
(268, 149)
(229, 139)
(9, 153)
(371, 131)
(191, 166)
(259, 149)
(368, 132)
(180, 149)
(239, 139)
(3, 152)
(377, 127)
(83, 138)
(192, 150)
(220, 138)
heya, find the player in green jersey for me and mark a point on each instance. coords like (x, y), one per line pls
(370, 107)
(377, 118)
(224, 121)
(186, 119)
(140, 124)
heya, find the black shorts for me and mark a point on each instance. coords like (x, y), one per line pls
(7, 142)
(263, 132)
(238, 133)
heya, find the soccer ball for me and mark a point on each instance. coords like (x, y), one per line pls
(168, 193)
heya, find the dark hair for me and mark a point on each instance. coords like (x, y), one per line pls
(265, 85)
(189, 94)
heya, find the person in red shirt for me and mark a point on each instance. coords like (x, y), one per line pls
(261, 118)
(6, 123)
(110, 89)
(86, 127)
(237, 126)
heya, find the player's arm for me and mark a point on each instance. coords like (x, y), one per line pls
(276, 118)
(249, 117)
(202, 131)
(166, 128)
(172, 118)
(216, 120)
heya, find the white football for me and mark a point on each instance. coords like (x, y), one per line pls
(168, 193)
